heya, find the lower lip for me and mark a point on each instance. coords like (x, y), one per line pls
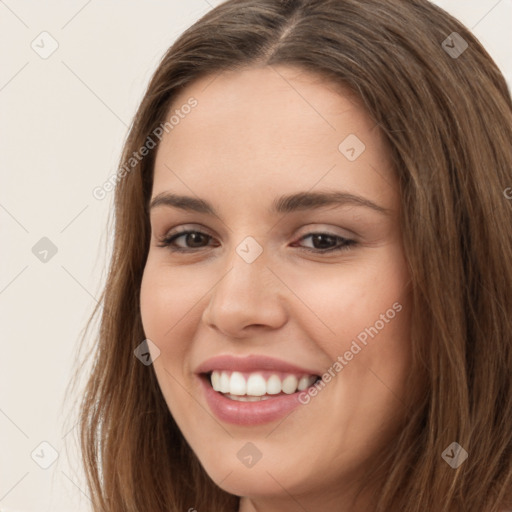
(248, 413)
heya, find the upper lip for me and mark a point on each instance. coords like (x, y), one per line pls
(251, 363)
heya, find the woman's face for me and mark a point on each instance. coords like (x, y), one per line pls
(294, 271)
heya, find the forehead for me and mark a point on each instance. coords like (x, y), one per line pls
(268, 129)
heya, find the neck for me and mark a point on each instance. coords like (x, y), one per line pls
(288, 503)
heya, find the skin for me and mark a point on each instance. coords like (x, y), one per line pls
(257, 134)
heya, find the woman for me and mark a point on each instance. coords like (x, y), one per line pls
(308, 304)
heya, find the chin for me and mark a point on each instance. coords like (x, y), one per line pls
(266, 478)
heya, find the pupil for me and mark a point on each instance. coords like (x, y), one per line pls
(324, 241)
(324, 238)
(196, 237)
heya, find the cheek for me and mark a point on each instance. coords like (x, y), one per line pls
(157, 304)
(167, 301)
(165, 304)
(167, 297)
(342, 301)
(362, 313)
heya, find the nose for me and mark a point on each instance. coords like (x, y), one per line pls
(249, 296)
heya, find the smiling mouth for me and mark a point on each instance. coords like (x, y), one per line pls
(257, 386)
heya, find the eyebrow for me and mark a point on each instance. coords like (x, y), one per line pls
(284, 204)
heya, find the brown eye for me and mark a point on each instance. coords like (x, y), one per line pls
(326, 242)
(321, 242)
(192, 240)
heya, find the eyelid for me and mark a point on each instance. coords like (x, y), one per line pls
(319, 227)
(328, 230)
(185, 228)
(344, 243)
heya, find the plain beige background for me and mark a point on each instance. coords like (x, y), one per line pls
(63, 120)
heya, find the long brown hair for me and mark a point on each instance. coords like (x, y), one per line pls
(447, 119)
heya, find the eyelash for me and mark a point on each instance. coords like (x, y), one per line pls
(167, 241)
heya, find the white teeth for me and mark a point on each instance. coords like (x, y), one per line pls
(224, 382)
(215, 378)
(289, 384)
(246, 398)
(304, 383)
(235, 384)
(256, 385)
(273, 385)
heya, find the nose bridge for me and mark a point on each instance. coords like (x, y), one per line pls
(247, 294)
(247, 280)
